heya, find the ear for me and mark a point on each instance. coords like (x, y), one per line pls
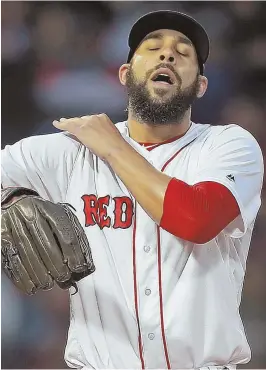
(203, 84)
(123, 73)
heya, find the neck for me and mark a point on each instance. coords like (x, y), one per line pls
(150, 133)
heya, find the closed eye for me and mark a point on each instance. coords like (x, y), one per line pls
(184, 54)
(153, 49)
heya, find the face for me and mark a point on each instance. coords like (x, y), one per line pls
(163, 78)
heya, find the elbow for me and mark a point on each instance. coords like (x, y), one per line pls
(201, 236)
(198, 213)
(195, 232)
(203, 232)
(198, 235)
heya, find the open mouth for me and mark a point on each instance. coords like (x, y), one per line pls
(164, 76)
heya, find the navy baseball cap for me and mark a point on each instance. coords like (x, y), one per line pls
(173, 20)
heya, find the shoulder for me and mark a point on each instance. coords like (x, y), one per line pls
(231, 134)
(231, 131)
(57, 141)
(230, 144)
(44, 151)
(50, 145)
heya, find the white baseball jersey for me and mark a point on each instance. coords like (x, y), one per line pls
(154, 301)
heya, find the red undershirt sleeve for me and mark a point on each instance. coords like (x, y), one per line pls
(197, 213)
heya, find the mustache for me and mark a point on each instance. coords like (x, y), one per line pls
(164, 65)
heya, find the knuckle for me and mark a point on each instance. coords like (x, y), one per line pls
(84, 126)
(102, 115)
(68, 119)
(88, 120)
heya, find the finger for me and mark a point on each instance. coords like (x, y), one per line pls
(82, 244)
(67, 238)
(14, 269)
(67, 124)
(67, 120)
(47, 245)
(29, 255)
(72, 125)
(11, 262)
(61, 126)
(63, 119)
(89, 117)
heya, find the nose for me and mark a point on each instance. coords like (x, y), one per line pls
(167, 56)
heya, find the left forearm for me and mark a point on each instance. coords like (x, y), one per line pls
(147, 185)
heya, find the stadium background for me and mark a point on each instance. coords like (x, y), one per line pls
(60, 59)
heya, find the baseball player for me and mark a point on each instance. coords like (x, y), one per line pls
(168, 207)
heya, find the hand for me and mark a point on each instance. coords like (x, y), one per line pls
(97, 132)
(47, 245)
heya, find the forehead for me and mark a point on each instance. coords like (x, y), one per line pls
(166, 33)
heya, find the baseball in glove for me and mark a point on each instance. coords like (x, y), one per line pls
(42, 242)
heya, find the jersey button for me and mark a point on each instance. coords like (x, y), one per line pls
(147, 249)
(147, 291)
(151, 336)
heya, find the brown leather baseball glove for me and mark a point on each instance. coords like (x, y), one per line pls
(42, 242)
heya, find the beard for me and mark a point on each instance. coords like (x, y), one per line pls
(159, 111)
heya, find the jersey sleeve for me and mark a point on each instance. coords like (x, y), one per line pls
(233, 158)
(43, 163)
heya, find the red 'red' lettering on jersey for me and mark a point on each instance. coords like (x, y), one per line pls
(90, 209)
(104, 220)
(123, 212)
(96, 211)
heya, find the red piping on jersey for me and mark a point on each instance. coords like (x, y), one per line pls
(155, 145)
(136, 290)
(161, 298)
(160, 269)
(173, 156)
(160, 279)
(171, 140)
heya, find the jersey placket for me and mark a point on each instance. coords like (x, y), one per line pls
(148, 274)
(147, 290)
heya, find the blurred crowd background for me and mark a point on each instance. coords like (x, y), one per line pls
(61, 59)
